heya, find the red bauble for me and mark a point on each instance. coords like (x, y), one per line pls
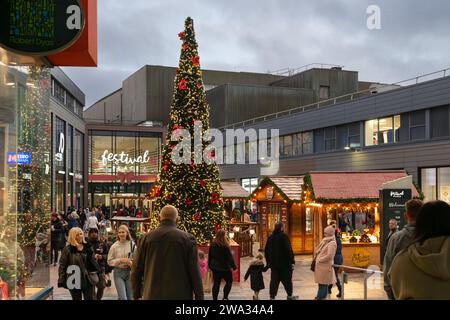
(185, 46)
(166, 165)
(217, 227)
(195, 61)
(202, 183)
(197, 216)
(182, 85)
(199, 85)
(188, 202)
(181, 35)
(215, 198)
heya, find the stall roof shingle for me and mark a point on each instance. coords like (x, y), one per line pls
(290, 185)
(353, 185)
(232, 189)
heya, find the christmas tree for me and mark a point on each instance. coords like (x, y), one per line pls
(193, 186)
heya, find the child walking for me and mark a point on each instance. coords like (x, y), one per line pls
(255, 271)
(203, 264)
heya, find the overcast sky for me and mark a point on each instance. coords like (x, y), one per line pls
(263, 35)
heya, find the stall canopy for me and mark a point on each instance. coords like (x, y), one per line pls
(232, 190)
(289, 187)
(362, 186)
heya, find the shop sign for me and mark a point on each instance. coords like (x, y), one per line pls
(40, 27)
(361, 258)
(393, 207)
(59, 156)
(18, 158)
(124, 158)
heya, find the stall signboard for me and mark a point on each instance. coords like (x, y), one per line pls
(18, 157)
(40, 27)
(393, 207)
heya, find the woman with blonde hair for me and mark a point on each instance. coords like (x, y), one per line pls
(120, 257)
(78, 253)
(220, 261)
(323, 262)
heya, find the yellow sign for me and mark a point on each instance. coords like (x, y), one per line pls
(361, 258)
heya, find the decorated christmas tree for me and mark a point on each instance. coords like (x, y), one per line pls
(193, 186)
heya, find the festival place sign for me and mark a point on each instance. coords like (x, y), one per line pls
(40, 27)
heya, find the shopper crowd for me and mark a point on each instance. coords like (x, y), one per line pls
(166, 264)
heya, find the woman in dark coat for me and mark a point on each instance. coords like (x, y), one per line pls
(220, 261)
(57, 238)
(78, 254)
(255, 271)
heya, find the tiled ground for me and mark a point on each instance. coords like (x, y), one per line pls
(303, 280)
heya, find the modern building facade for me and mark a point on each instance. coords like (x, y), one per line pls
(69, 174)
(123, 163)
(403, 128)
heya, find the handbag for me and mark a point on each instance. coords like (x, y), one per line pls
(313, 265)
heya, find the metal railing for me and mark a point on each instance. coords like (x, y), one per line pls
(44, 294)
(340, 99)
(292, 71)
(366, 272)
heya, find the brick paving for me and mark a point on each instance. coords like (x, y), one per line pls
(303, 281)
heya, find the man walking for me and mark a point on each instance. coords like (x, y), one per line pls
(280, 259)
(165, 266)
(400, 240)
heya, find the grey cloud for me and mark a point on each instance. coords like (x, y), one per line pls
(268, 35)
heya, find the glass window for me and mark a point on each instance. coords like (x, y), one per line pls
(297, 144)
(417, 125)
(371, 132)
(330, 138)
(69, 148)
(78, 151)
(70, 102)
(308, 221)
(287, 146)
(307, 141)
(354, 135)
(444, 184)
(342, 137)
(428, 180)
(59, 92)
(319, 140)
(439, 119)
(385, 131)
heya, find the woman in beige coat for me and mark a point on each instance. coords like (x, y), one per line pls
(324, 253)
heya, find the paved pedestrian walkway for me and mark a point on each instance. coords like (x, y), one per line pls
(303, 281)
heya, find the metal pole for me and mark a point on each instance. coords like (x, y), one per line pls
(365, 286)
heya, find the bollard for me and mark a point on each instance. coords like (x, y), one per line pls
(344, 281)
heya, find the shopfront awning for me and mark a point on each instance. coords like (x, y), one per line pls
(338, 185)
(232, 190)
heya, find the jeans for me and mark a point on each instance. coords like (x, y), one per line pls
(322, 292)
(122, 281)
(280, 275)
(218, 276)
(54, 253)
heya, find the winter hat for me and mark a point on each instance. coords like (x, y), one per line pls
(329, 231)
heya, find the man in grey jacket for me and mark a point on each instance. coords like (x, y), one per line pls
(400, 240)
(165, 266)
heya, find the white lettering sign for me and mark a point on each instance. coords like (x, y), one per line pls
(396, 194)
(59, 156)
(74, 20)
(123, 158)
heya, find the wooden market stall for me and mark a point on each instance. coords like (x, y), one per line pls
(351, 199)
(233, 195)
(280, 199)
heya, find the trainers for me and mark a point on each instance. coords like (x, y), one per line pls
(338, 295)
(292, 297)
